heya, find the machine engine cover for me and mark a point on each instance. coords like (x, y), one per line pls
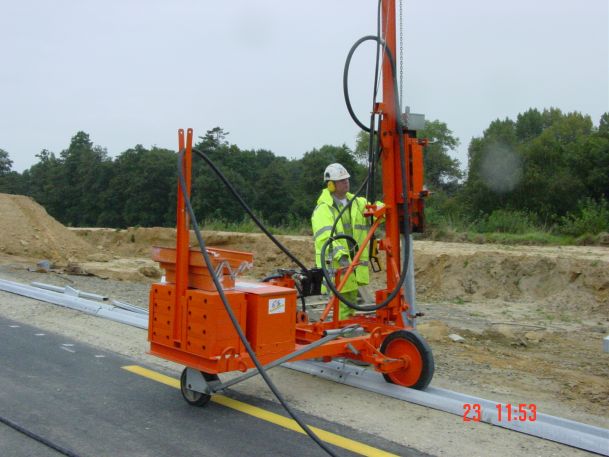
(271, 319)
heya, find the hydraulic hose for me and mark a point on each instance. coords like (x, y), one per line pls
(346, 82)
(37, 437)
(296, 286)
(376, 70)
(348, 205)
(248, 210)
(371, 190)
(232, 316)
(406, 227)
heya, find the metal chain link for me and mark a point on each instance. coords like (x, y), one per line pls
(401, 56)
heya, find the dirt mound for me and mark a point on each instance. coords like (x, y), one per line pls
(137, 242)
(572, 279)
(27, 230)
(131, 242)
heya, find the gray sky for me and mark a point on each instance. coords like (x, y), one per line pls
(270, 72)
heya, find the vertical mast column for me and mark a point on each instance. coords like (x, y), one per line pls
(182, 239)
(392, 182)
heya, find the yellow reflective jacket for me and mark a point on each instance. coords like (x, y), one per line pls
(322, 220)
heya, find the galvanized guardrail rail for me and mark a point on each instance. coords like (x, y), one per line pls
(96, 308)
(565, 431)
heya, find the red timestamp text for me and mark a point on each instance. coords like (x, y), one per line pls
(522, 412)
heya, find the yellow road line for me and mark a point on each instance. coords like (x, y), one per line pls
(277, 419)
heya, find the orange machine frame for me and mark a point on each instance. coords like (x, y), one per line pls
(182, 309)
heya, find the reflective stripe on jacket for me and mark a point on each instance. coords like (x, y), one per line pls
(322, 220)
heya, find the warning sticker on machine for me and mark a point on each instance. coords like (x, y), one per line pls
(276, 305)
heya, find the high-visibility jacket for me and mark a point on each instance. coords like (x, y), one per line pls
(352, 223)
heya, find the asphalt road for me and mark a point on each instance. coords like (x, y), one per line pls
(81, 398)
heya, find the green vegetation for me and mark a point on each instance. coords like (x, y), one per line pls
(541, 179)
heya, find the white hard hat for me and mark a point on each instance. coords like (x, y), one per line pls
(335, 172)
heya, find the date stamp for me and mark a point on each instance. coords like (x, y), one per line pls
(522, 412)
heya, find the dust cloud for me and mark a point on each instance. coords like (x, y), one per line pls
(501, 168)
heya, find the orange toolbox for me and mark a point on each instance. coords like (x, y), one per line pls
(271, 326)
(194, 329)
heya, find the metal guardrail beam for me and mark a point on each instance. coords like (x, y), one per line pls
(67, 290)
(79, 304)
(565, 431)
(130, 307)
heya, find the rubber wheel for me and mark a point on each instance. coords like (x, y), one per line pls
(418, 373)
(192, 397)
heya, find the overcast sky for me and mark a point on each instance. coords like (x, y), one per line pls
(270, 72)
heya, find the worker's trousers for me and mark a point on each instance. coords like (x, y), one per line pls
(344, 312)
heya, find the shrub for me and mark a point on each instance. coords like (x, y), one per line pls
(591, 217)
(506, 221)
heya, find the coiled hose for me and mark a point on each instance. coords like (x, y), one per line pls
(406, 227)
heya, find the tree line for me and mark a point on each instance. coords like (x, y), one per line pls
(545, 167)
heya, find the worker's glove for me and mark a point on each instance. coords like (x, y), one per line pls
(344, 261)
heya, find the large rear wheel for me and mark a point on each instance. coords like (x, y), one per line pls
(409, 345)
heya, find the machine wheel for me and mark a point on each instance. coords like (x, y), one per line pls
(402, 344)
(193, 397)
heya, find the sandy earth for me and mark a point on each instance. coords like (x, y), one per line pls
(532, 319)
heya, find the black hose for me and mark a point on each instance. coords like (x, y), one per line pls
(348, 205)
(248, 210)
(232, 317)
(371, 189)
(302, 297)
(406, 227)
(296, 286)
(377, 60)
(38, 438)
(346, 79)
(271, 277)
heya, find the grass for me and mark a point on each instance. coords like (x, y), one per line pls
(533, 237)
(528, 238)
(500, 227)
(512, 227)
(449, 234)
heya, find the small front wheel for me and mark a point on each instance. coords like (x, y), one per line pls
(193, 397)
(411, 346)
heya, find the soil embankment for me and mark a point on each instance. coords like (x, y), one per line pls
(566, 279)
(26, 229)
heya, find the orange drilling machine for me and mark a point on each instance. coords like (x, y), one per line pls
(204, 318)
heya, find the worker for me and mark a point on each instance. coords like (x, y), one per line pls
(353, 223)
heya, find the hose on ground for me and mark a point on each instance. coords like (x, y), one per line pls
(37, 437)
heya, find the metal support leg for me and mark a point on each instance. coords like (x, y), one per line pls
(410, 289)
